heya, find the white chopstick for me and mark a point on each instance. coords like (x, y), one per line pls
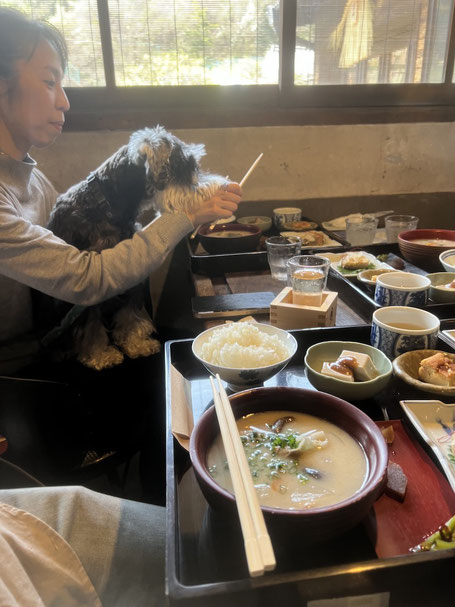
(258, 547)
(251, 169)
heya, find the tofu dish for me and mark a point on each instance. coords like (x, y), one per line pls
(438, 369)
(351, 366)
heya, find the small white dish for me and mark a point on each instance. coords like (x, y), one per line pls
(435, 422)
(447, 258)
(406, 367)
(335, 258)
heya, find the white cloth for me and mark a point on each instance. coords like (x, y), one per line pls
(71, 547)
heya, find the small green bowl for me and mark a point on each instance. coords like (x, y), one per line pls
(261, 221)
(329, 351)
(439, 294)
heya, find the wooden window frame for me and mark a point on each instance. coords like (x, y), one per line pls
(119, 108)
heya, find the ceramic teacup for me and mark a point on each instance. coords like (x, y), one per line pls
(398, 329)
(284, 215)
(401, 289)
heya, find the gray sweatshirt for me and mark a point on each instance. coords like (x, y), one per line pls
(32, 256)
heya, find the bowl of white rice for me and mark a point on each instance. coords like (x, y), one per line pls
(244, 354)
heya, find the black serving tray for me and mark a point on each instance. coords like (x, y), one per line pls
(216, 265)
(361, 296)
(205, 562)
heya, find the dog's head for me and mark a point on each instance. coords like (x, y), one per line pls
(167, 159)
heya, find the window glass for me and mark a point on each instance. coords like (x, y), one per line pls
(194, 42)
(79, 23)
(371, 41)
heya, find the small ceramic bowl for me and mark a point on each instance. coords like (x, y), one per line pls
(311, 524)
(261, 221)
(329, 351)
(406, 367)
(241, 378)
(284, 215)
(402, 289)
(369, 277)
(229, 238)
(399, 329)
(439, 292)
(447, 258)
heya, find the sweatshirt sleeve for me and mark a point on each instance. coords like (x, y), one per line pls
(36, 257)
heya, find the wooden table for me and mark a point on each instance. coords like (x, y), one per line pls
(254, 282)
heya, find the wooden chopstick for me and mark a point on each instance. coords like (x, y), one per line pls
(245, 177)
(258, 547)
(251, 169)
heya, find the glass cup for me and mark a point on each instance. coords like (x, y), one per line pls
(394, 224)
(279, 250)
(307, 275)
(361, 230)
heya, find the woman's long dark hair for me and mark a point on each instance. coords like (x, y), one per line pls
(19, 37)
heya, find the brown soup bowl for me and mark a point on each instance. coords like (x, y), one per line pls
(315, 524)
(423, 255)
(229, 238)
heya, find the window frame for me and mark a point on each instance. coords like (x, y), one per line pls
(112, 107)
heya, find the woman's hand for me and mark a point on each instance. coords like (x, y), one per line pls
(220, 206)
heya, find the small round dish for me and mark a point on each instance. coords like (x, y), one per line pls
(439, 291)
(329, 351)
(368, 277)
(261, 221)
(406, 367)
(300, 226)
(447, 258)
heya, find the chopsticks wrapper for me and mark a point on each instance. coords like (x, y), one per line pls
(182, 413)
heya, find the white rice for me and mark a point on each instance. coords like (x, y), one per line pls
(241, 345)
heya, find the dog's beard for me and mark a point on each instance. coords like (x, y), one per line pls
(187, 199)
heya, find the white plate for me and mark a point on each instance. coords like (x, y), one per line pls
(435, 422)
(334, 259)
(328, 242)
(450, 334)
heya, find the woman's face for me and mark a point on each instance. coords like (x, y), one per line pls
(33, 102)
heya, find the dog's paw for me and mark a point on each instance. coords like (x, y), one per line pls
(101, 359)
(135, 346)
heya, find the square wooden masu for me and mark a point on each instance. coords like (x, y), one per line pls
(287, 315)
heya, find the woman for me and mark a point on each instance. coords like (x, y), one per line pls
(51, 537)
(32, 113)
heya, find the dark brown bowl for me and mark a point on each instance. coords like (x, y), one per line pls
(242, 243)
(312, 524)
(423, 255)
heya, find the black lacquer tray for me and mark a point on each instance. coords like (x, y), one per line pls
(205, 563)
(361, 296)
(215, 265)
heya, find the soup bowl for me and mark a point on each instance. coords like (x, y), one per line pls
(241, 377)
(423, 247)
(229, 238)
(312, 524)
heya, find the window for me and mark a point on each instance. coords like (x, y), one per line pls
(246, 61)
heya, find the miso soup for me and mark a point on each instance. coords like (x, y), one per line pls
(324, 474)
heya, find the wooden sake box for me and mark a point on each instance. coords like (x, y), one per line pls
(287, 315)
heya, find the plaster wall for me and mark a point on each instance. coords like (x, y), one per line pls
(301, 162)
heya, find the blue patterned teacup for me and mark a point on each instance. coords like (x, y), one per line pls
(398, 329)
(401, 289)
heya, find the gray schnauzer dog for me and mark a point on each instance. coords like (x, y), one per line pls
(154, 170)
